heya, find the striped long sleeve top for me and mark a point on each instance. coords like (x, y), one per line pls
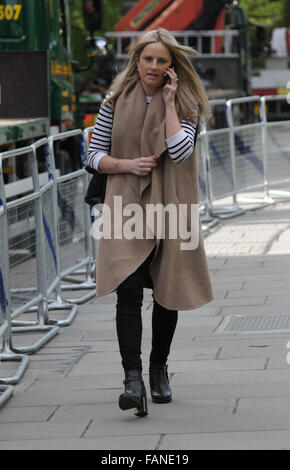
(180, 146)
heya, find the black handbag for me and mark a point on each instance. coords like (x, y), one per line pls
(97, 187)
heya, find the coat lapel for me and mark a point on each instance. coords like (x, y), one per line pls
(153, 134)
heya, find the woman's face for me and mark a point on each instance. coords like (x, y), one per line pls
(153, 62)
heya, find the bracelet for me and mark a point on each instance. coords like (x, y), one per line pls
(117, 165)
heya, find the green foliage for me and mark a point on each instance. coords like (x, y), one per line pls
(79, 33)
(113, 10)
(263, 11)
(113, 14)
(269, 13)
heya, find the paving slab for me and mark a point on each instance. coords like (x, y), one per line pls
(177, 366)
(92, 346)
(271, 276)
(98, 443)
(241, 376)
(251, 271)
(186, 416)
(245, 301)
(26, 414)
(264, 283)
(41, 431)
(274, 407)
(61, 397)
(279, 360)
(89, 382)
(256, 292)
(92, 358)
(108, 415)
(282, 302)
(275, 308)
(218, 364)
(68, 396)
(247, 440)
(231, 390)
(277, 352)
(254, 339)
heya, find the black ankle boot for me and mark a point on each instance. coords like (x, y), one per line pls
(159, 383)
(135, 393)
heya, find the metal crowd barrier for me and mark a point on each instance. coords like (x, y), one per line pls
(48, 250)
(276, 152)
(6, 354)
(245, 157)
(24, 255)
(204, 167)
(74, 247)
(29, 256)
(6, 392)
(207, 220)
(245, 154)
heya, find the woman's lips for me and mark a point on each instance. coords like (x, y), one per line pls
(152, 75)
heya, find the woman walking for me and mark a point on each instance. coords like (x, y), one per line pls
(144, 140)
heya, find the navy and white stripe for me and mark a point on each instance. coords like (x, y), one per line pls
(180, 146)
(100, 143)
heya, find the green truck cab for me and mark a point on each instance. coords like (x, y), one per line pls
(37, 69)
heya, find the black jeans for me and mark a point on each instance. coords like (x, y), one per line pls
(129, 322)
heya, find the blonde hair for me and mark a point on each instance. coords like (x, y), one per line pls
(190, 92)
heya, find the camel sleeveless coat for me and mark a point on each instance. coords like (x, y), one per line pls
(180, 278)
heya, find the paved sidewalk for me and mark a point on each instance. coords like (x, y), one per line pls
(231, 387)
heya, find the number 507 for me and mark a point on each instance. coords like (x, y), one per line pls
(9, 12)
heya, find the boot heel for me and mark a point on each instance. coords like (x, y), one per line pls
(135, 394)
(142, 410)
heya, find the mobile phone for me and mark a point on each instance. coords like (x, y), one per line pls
(166, 77)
